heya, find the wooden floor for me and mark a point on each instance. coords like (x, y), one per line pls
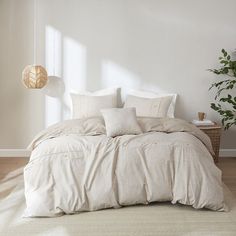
(228, 167)
(11, 171)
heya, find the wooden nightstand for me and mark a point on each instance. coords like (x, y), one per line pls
(214, 132)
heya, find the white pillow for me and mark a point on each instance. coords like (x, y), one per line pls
(147, 94)
(121, 121)
(149, 107)
(87, 104)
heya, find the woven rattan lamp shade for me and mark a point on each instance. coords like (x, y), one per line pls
(34, 77)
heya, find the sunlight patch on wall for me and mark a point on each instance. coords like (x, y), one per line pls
(66, 67)
(153, 88)
(74, 70)
(53, 107)
(114, 75)
(53, 51)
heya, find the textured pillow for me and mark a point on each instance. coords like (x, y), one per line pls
(149, 107)
(147, 94)
(121, 121)
(85, 106)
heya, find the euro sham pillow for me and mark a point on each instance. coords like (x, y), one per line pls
(87, 104)
(148, 94)
(149, 107)
(121, 121)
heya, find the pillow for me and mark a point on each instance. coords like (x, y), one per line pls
(147, 94)
(149, 107)
(120, 121)
(87, 104)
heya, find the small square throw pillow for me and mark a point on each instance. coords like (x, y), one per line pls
(121, 121)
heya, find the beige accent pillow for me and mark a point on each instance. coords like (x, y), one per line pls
(148, 94)
(149, 107)
(121, 121)
(85, 106)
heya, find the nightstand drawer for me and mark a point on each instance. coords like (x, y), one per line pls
(214, 132)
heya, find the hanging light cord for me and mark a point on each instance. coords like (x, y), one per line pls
(35, 35)
(54, 53)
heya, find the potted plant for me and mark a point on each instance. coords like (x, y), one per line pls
(225, 98)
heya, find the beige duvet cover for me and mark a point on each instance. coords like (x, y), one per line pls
(75, 167)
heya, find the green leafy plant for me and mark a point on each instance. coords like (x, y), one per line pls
(225, 97)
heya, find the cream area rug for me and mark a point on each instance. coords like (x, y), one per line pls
(155, 219)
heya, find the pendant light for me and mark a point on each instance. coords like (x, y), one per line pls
(34, 76)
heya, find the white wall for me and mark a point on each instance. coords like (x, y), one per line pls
(21, 110)
(160, 45)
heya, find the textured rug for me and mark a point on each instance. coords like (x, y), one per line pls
(155, 219)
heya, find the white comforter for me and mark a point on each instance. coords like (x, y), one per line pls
(75, 167)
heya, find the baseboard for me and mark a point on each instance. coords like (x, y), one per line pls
(26, 153)
(14, 153)
(227, 153)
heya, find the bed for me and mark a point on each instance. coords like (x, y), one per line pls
(75, 167)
